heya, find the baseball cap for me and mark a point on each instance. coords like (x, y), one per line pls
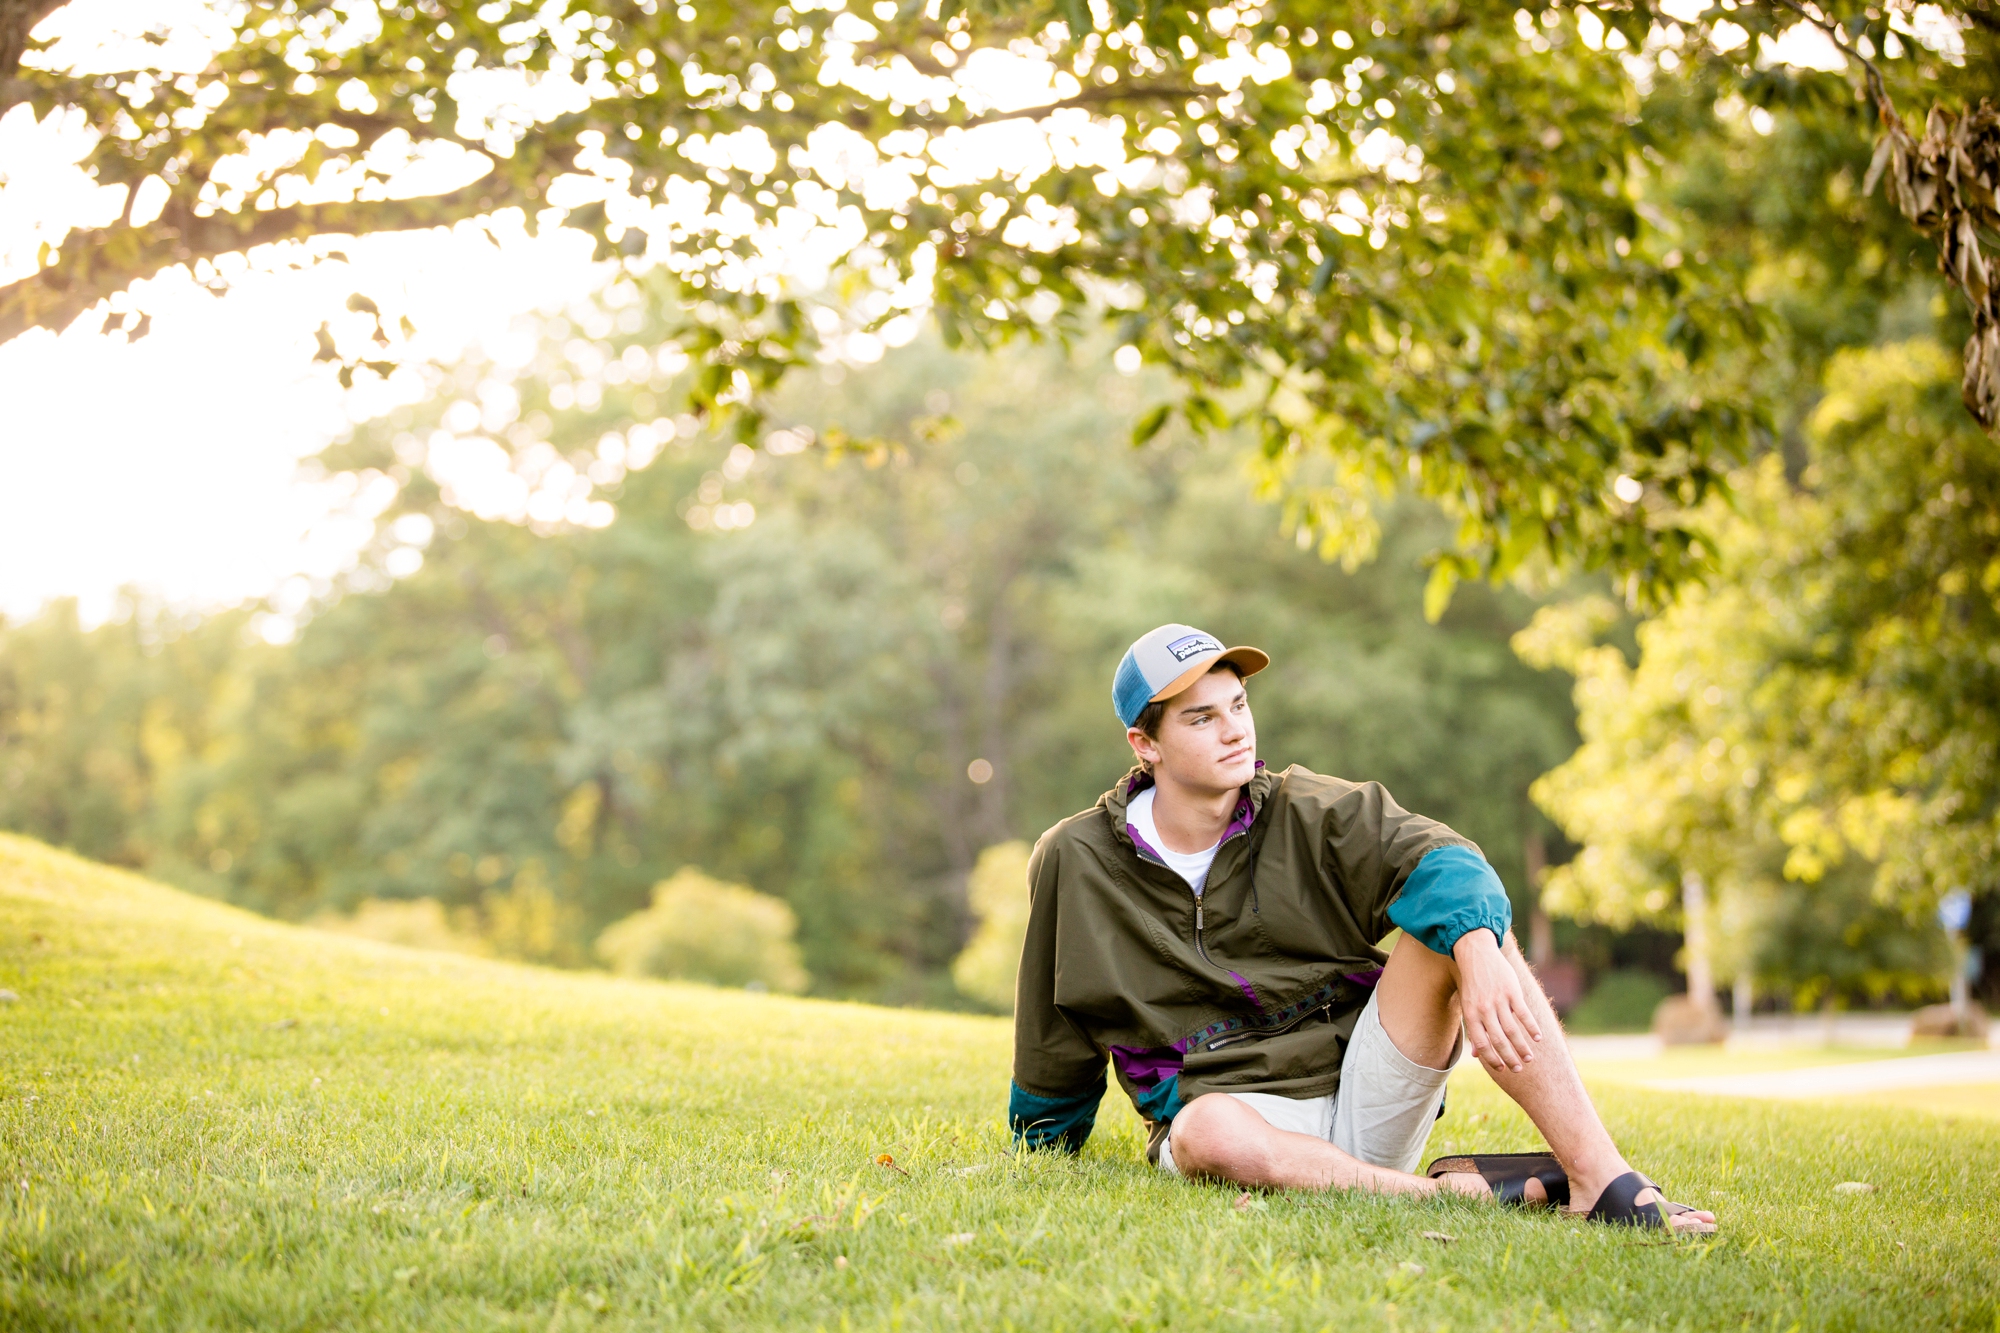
(1168, 660)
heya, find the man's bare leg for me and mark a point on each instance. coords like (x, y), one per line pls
(1216, 1135)
(1417, 1000)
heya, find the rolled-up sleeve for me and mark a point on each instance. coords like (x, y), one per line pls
(1452, 892)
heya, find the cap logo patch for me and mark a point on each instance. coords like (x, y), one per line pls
(1189, 645)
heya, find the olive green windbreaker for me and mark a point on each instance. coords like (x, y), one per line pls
(1255, 987)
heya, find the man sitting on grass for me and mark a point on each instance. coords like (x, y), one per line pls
(1212, 926)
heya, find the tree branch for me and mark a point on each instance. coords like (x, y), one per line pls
(1089, 97)
(17, 20)
(99, 263)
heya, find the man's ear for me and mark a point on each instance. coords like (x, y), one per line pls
(1143, 745)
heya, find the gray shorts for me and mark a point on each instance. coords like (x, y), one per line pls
(1382, 1113)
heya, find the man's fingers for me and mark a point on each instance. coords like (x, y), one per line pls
(1526, 1014)
(1498, 1043)
(1487, 1040)
(1517, 1037)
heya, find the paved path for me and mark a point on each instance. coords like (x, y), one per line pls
(1917, 1071)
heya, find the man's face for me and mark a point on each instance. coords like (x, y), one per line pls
(1207, 739)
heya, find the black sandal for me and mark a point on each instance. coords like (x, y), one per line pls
(1615, 1207)
(1509, 1173)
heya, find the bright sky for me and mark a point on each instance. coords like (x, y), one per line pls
(172, 463)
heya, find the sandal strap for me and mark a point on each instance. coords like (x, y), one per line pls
(1615, 1205)
(1509, 1174)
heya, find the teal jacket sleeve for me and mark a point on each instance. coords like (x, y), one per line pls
(1062, 1123)
(1452, 891)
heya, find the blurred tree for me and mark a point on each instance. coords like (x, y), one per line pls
(1435, 242)
(700, 929)
(986, 968)
(417, 923)
(1814, 734)
(95, 725)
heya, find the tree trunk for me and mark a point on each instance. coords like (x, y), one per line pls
(1694, 909)
(1541, 935)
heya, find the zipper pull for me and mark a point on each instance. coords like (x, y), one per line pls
(1197, 916)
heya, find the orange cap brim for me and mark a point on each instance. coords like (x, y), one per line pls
(1247, 660)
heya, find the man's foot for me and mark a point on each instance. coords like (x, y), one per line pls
(1639, 1206)
(1692, 1222)
(1474, 1185)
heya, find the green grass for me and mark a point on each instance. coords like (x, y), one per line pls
(212, 1121)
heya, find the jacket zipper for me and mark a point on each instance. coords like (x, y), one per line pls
(1201, 946)
(1232, 1038)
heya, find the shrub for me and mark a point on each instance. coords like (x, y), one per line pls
(998, 891)
(701, 929)
(1621, 1001)
(420, 923)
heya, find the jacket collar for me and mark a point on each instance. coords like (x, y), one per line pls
(1116, 801)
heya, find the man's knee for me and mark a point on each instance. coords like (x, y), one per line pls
(1208, 1133)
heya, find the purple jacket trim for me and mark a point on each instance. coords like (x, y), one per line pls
(1244, 986)
(1368, 978)
(1146, 1068)
(1269, 1019)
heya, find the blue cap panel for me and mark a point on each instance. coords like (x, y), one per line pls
(1129, 691)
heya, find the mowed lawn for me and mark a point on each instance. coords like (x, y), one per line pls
(209, 1120)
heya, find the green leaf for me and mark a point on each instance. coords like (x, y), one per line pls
(1152, 423)
(1438, 589)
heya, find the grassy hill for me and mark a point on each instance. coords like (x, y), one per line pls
(211, 1120)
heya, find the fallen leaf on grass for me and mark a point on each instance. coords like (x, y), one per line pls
(8, 997)
(1441, 1237)
(1854, 1187)
(885, 1160)
(972, 1170)
(840, 1261)
(960, 1238)
(1414, 1270)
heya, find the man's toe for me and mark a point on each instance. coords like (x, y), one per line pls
(1697, 1220)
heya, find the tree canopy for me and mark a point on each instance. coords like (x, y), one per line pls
(1441, 242)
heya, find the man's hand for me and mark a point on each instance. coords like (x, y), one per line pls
(1498, 1021)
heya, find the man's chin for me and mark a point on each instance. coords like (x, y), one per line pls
(1237, 773)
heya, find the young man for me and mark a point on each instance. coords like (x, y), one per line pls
(1211, 927)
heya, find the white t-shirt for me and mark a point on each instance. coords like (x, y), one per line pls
(1190, 866)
